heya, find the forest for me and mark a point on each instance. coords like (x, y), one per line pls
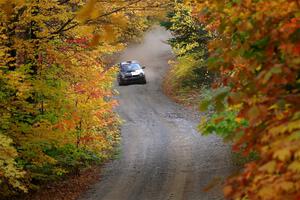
(56, 97)
(236, 61)
(240, 60)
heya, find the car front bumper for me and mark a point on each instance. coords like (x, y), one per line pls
(132, 79)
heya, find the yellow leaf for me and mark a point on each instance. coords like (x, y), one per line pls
(295, 166)
(238, 119)
(108, 34)
(94, 13)
(20, 2)
(287, 186)
(266, 191)
(289, 126)
(119, 19)
(282, 154)
(85, 12)
(269, 167)
(297, 155)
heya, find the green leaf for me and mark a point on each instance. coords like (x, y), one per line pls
(204, 104)
(261, 44)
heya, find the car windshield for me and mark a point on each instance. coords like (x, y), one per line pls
(130, 67)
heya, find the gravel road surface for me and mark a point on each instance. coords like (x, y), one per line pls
(163, 157)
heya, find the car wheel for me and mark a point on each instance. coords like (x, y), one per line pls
(120, 81)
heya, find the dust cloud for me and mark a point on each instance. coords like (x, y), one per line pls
(153, 46)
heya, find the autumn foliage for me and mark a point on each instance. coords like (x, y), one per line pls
(257, 54)
(56, 96)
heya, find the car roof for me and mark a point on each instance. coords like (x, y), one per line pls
(129, 62)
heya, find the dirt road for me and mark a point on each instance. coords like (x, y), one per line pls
(163, 156)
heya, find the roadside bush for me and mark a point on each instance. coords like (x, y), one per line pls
(69, 156)
(188, 73)
(225, 123)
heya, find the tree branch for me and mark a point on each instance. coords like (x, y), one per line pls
(116, 10)
(61, 29)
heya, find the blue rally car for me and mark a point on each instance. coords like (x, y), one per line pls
(131, 72)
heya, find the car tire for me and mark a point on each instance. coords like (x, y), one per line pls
(120, 82)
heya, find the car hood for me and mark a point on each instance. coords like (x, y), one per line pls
(139, 71)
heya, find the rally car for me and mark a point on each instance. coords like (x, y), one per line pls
(131, 72)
